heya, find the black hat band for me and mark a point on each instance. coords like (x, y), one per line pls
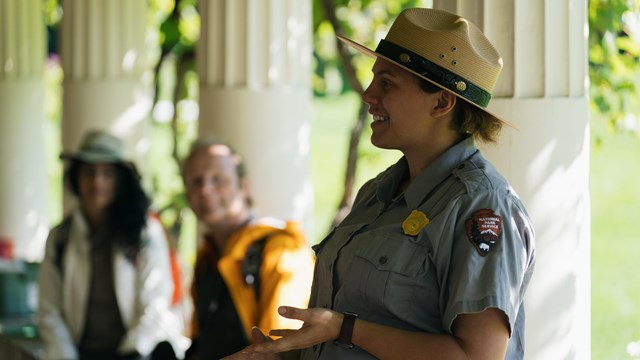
(455, 83)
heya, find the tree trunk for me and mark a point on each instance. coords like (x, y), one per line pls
(356, 132)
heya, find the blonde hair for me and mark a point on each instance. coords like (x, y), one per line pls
(471, 121)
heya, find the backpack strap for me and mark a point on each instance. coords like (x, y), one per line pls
(60, 241)
(251, 264)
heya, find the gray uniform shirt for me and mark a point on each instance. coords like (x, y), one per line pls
(476, 250)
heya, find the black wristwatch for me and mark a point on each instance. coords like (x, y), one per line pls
(346, 330)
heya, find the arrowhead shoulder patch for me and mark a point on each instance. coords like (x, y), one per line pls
(484, 229)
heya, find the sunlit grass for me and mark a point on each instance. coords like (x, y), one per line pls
(615, 246)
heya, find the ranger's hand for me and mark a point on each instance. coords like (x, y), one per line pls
(320, 325)
(247, 353)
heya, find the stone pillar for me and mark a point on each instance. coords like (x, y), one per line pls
(254, 67)
(24, 209)
(107, 83)
(542, 90)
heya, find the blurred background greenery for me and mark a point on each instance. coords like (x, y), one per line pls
(614, 71)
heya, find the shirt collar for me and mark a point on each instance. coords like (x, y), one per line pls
(391, 179)
(438, 171)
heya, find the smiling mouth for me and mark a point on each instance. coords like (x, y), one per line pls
(380, 118)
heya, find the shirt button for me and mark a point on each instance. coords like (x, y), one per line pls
(382, 260)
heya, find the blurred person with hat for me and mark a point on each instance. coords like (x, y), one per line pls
(434, 259)
(103, 289)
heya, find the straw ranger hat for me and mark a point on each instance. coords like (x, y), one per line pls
(100, 147)
(443, 48)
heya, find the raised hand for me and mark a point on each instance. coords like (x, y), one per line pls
(320, 325)
(247, 353)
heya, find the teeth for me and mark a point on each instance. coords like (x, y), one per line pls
(380, 118)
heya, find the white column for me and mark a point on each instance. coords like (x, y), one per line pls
(542, 90)
(23, 185)
(107, 83)
(254, 68)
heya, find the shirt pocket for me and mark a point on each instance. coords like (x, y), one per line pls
(385, 273)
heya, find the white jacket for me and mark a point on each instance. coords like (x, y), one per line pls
(143, 292)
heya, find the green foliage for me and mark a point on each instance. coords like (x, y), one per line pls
(364, 21)
(614, 54)
(179, 25)
(175, 118)
(52, 12)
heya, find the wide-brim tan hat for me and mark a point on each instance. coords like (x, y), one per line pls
(444, 49)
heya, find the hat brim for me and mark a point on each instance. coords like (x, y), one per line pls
(366, 51)
(93, 158)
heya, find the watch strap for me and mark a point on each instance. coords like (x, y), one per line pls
(346, 330)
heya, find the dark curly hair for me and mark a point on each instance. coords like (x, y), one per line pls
(469, 120)
(129, 210)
